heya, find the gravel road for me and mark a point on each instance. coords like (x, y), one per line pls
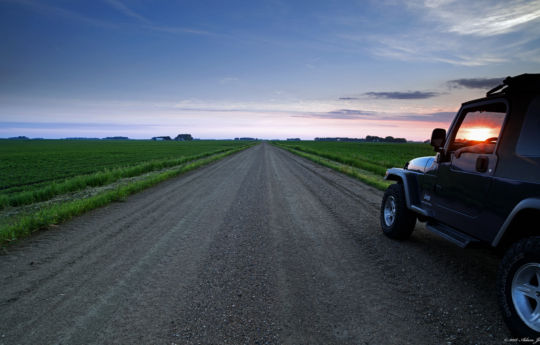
(260, 247)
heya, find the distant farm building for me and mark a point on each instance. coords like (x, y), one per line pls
(161, 138)
(183, 137)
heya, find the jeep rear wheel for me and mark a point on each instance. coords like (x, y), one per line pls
(518, 287)
(397, 221)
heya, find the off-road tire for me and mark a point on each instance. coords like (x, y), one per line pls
(523, 253)
(398, 222)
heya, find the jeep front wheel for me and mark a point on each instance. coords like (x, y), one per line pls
(397, 221)
(518, 287)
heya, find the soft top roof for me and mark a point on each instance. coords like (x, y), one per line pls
(527, 82)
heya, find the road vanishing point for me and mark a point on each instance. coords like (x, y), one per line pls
(262, 247)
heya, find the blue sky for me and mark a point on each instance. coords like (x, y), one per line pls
(267, 69)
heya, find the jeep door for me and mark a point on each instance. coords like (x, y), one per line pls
(465, 171)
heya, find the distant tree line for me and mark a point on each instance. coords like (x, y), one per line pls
(21, 137)
(375, 139)
(116, 138)
(179, 137)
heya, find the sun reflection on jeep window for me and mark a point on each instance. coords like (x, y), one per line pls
(479, 133)
(479, 126)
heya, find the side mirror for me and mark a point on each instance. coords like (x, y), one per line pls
(438, 136)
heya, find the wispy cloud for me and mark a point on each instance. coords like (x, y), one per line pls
(351, 114)
(462, 33)
(149, 25)
(228, 80)
(71, 125)
(348, 98)
(431, 47)
(341, 114)
(402, 95)
(179, 30)
(283, 109)
(45, 9)
(444, 116)
(128, 12)
(476, 83)
(482, 17)
(144, 22)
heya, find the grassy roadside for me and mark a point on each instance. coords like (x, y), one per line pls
(363, 165)
(25, 224)
(368, 177)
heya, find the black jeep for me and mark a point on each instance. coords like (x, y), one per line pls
(483, 186)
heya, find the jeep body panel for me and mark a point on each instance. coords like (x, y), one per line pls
(459, 193)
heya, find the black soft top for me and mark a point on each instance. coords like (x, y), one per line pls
(527, 82)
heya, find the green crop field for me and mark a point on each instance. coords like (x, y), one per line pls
(370, 160)
(31, 162)
(39, 178)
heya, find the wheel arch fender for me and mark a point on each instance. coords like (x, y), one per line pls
(403, 177)
(522, 211)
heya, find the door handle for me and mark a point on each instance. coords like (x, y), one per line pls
(482, 164)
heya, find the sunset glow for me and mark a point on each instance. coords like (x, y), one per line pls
(479, 133)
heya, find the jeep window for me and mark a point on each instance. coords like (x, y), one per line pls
(529, 139)
(479, 129)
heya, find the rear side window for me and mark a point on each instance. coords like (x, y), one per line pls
(529, 138)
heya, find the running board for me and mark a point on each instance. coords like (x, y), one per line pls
(451, 234)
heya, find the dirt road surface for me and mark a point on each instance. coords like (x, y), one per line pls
(263, 247)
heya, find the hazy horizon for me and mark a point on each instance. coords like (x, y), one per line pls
(266, 69)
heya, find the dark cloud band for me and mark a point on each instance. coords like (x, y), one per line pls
(476, 83)
(402, 95)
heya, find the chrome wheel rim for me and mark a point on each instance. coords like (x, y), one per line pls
(390, 211)
(526, 294)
